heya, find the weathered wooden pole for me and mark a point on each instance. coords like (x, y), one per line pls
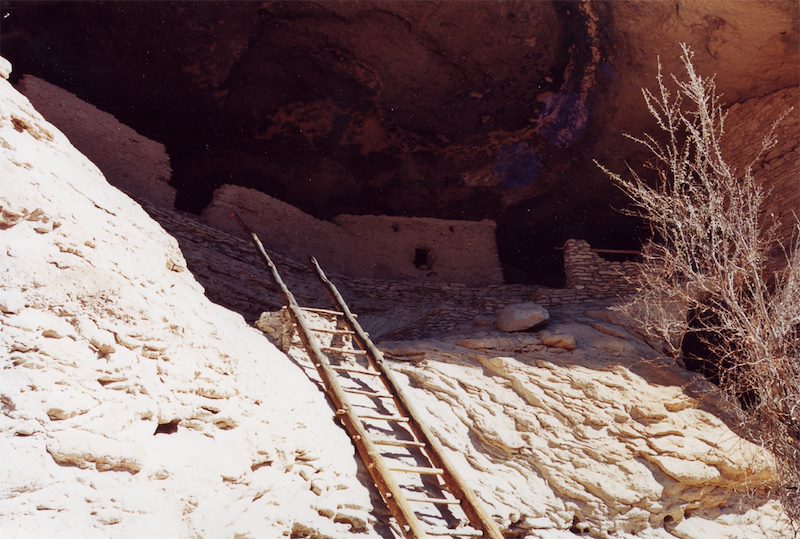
(380, 473)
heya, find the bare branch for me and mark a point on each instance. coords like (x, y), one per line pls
(704, 272)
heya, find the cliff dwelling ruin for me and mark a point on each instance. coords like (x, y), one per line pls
(436, 159)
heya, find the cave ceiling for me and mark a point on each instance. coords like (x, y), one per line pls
(450, 109)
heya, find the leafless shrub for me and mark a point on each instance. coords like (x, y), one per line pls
(704, 273)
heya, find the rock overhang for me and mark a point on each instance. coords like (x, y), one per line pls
(459, 110)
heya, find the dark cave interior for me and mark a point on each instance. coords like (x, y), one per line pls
(395, 108)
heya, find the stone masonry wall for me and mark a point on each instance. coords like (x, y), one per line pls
(417, 248)
(281, 226)
(378, 247)
(779, 170)
(586, 270)
(234, 276)
(129, 161)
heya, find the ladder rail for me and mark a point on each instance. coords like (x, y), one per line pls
(388, 488)
(469, 501)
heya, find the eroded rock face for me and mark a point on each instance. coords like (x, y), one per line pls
(591, 437)
(451, 109)
(130, 404)
(137, 165)
(388, 86)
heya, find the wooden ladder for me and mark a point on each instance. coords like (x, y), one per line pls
(356, 377)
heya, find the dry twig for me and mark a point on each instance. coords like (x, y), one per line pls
(704, 278)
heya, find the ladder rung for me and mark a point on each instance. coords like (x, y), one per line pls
(334, 331)
(357, 371)
(383, 417)
(435, 501)
(456, 532)
(325, 311)
(399, 443)
(376, 394)
(344, 351)
(418, 470)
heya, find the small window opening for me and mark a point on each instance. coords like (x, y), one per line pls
(396, 227)
(422, 258)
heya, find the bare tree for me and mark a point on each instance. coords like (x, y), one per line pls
(704, 275)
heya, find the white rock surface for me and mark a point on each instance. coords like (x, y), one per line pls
(599, 438)
(5, 68)
(101, 343)
(521, 316)
(130, 161)
(11, 301)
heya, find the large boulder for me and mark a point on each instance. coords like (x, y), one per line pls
(521, 316)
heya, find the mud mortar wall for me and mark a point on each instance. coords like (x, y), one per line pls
(414, 248)
(379, 247)
(280, 226)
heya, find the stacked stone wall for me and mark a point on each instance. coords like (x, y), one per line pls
(234, 276)
(587, 271)
(779, 170)
(370, 246)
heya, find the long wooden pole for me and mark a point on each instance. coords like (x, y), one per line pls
(472, 508)
(380, 473)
